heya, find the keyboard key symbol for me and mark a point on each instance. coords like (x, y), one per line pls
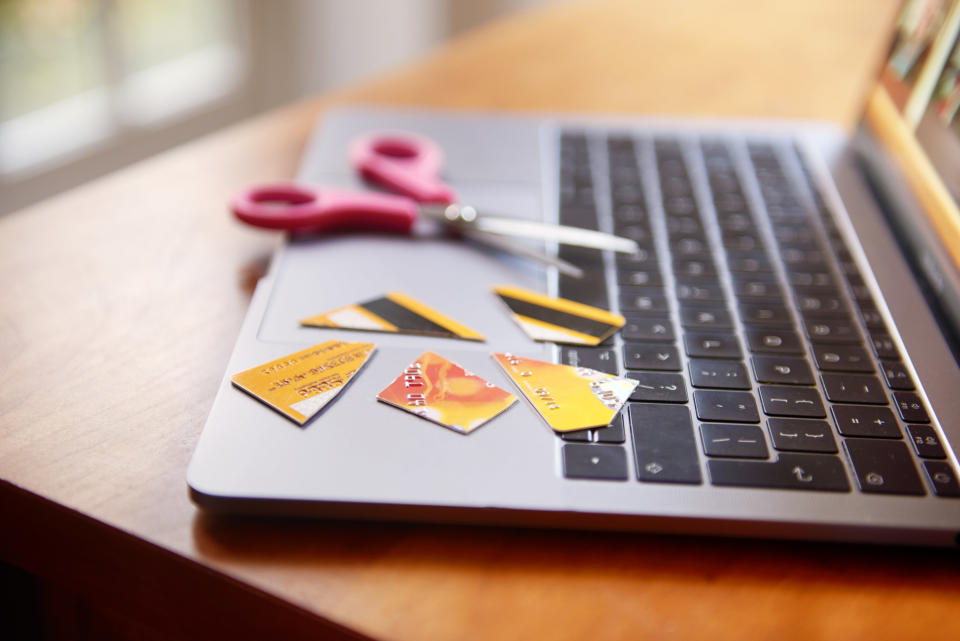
(801, 475)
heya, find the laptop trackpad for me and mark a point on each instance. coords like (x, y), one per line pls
(454, 277)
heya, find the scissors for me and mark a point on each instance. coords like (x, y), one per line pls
(410, 166)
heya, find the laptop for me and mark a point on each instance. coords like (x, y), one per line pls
(792, 314)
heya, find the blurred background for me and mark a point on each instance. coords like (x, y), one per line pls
(89, 86)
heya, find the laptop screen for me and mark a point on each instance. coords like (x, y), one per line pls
(916, 109)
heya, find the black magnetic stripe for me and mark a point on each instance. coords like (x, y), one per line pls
(403, 318)
(580, 324)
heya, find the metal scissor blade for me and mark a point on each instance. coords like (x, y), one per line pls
(560, 233)
(511, 246)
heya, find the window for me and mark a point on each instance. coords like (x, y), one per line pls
(76, 75)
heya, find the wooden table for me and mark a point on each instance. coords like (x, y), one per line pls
(120, 302)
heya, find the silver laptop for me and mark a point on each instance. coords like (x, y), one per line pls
(792, 315)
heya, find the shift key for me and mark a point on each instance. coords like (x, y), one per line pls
(664, 444)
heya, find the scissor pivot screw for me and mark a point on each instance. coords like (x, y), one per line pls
(455, 213)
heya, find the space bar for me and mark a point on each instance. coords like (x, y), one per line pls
(790, 471)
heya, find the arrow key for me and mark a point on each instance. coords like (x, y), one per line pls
(819, 472)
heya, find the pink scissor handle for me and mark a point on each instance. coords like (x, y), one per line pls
(402, 162)
(297, 208)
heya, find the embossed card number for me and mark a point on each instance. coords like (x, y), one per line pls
(301, 384)
(568, 398)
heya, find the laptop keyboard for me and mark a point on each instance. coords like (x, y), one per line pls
(761, 356)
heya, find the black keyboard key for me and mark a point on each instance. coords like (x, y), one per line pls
(842, 358)
(765, 315)
(596, 462)
(684, 226)
(742, 242)
(748, 263)
(629, 213)
(854, 388)
(726, 406)
(702, 292)
(871, 317)
(926, 442)
(613, 433)
(598, 358)
(688, 246)
(705, 319)
(642, 258)
(802, 435)
(821, 306)
(642, 299)
(658, 387)
(754, 288)
(719, 374)
(813, 279)
(883, 467)
(943, 478)
(803, 259)
(714, 345)
(640, 277)
(585, 257)
(783, 370)
(773, 341)
(664, 445)
(818, 472)
(801, 402)
(884, 347)
(648, 328)
(864, 420)
(829, 330)
(589, 290)
(910, 407)
(638, 233)
(580, 436)
(737, 441)
(817, 291)
(897, 376)
(693, 268)
(651, 356)
(680, 205)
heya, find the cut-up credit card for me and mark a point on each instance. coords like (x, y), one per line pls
(394, 313)
(301, 384)
(559, 320)
(568, 398)
(441, 391)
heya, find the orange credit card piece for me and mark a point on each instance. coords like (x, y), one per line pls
(443, 392)
(568, 398)
(301, 384)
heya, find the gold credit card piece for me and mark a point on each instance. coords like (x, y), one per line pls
(443, 392)
(395, 313)
(569, 398)
(301, 384)
(558, 320)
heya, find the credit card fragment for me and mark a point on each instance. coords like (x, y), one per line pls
(441, 391)
(394, 313)
(301, 384)
(559, 320)
(568, 398)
